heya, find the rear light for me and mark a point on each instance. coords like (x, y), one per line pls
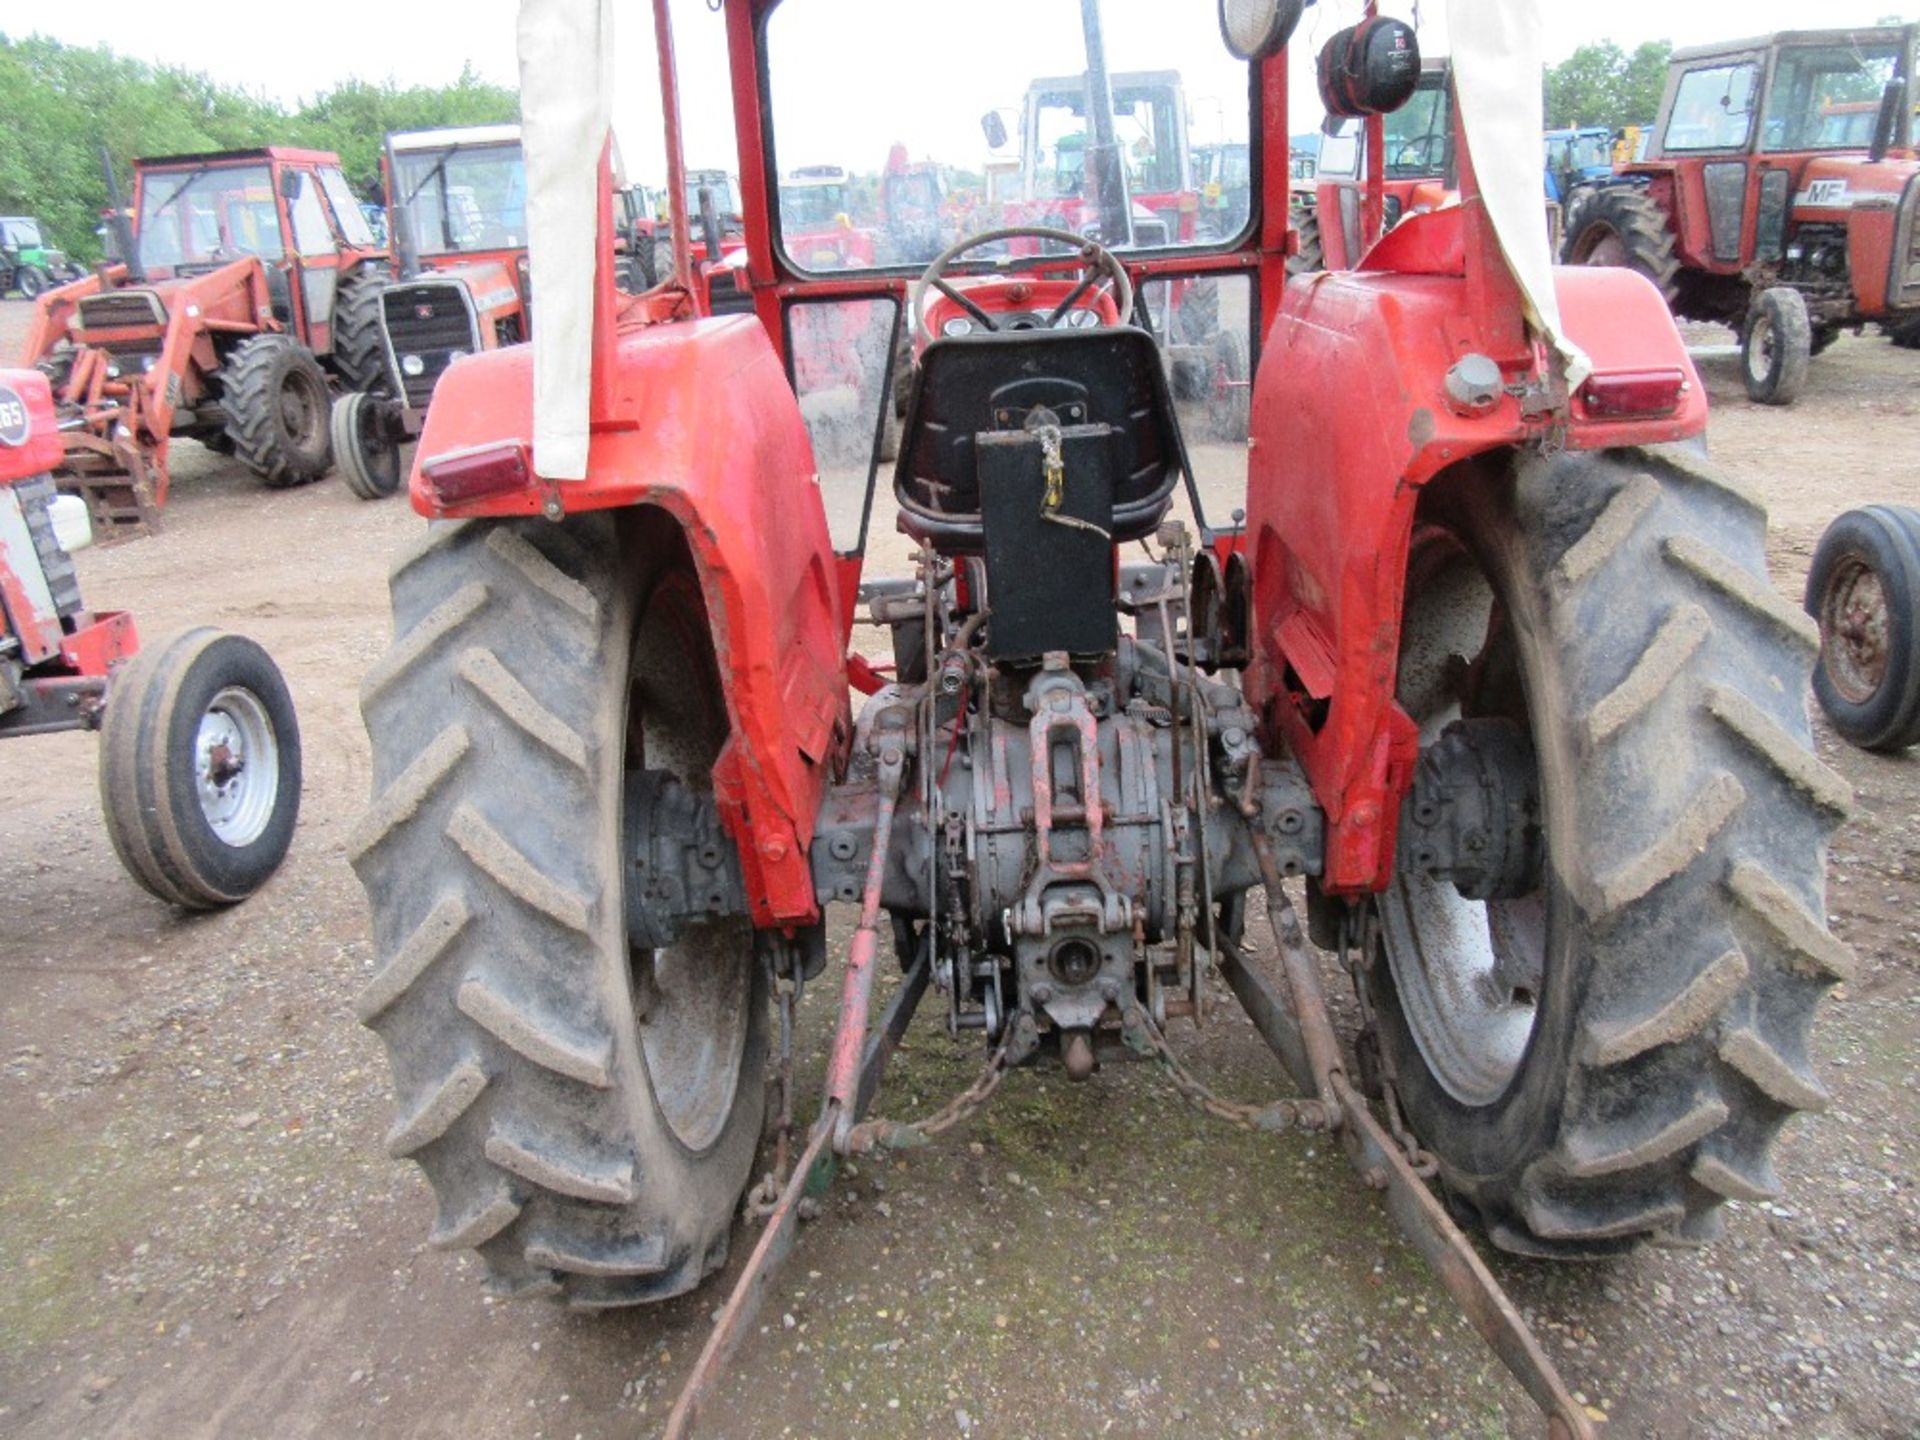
(1633, 394)
(465, 476)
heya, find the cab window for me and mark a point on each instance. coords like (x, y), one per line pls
(347, 213)
(310, 233)
(1713, 108)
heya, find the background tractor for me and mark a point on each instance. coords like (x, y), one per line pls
(1417, 168)
(27, 262)
(199, 748)
(1472, 644)
(251, 282)
(457, 205)
(1780, 195)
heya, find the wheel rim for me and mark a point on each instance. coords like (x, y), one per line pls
(1607, 248)
(380, 456)
(1467, 973)
(303, 407)
(236, 766)
(1854, 625)
(691, 998)
(1759, 349)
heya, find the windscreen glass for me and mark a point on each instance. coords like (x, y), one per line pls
(1125, 122)
(204, 215)
(1827, 97)
(463, 198)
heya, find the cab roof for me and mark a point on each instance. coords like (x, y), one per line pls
(405, 140)
(1781, 39)
(287, 153)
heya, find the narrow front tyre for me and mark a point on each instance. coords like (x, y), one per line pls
(200, 768)
(364, 447)
(1777, 347)
(1862, 590)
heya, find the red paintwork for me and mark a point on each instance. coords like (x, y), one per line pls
(702, 424)
(40, 451)
(96, 648)
(1349, 422)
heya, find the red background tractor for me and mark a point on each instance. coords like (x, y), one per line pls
(253, 279)
(1780, 195)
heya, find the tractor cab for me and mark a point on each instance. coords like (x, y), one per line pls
(1780, 195)
(1417, 163)
(292, 210)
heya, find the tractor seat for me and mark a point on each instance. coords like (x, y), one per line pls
(969, 384)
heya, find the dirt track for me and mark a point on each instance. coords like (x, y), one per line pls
(202, 1235)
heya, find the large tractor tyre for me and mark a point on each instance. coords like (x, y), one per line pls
(277, 405)
(32, 281)
(1864, 591)
(1776, 347)
(1607, 1059)
(1623, 227)
(359, 346)
(200, 768)
(586, 1111)
(1905, 333)
(1197, 317)
(364, 448)
(1312, 255)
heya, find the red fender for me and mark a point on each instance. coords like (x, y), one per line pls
(1350, 422)
(702, 424)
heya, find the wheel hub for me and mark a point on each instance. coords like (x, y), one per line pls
(1857, 624)
(236, 766)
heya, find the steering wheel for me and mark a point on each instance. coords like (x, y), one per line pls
(1417, 152)
(1101, 269)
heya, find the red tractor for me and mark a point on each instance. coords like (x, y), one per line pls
(457, 208)
(1780, 195)
(1486, 656)
(199, 748)
(1416, 164)
(252, 283)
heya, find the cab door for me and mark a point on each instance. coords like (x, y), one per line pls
(314, 253)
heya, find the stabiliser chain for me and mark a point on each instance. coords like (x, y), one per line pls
(1290, 1014)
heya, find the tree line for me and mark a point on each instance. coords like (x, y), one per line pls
(60, 103)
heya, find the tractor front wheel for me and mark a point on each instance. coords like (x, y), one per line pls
(1777, 347)
(359, 348)
(364, 446)
(1607, 1057)
(1905, 333)
(200, 768)
(276, 403)
(32, 281)
(586, 1108)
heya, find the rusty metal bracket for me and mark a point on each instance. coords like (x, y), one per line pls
(1297, 1027)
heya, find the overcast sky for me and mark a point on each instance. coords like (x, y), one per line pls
(415, 42)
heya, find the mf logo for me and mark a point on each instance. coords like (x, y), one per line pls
(1825, 194)
(13, 417)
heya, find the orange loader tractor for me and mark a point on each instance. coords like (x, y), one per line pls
(245, 294)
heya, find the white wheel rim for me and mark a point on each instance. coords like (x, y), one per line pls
(1446, 952)
(236, 766)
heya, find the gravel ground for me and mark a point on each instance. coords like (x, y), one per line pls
(204, 1237)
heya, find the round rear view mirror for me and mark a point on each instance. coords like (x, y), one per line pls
(1256, 29)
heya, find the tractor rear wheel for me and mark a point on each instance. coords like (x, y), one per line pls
(276, 403)
(1776, 347)
(1313, 255)
(200, 768)
(359, 349)
(1623, 227)
(364, 448)
(1606, 1059)
(587, 1111)
(1864, 590)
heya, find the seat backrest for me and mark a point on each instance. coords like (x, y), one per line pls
(967, 384)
